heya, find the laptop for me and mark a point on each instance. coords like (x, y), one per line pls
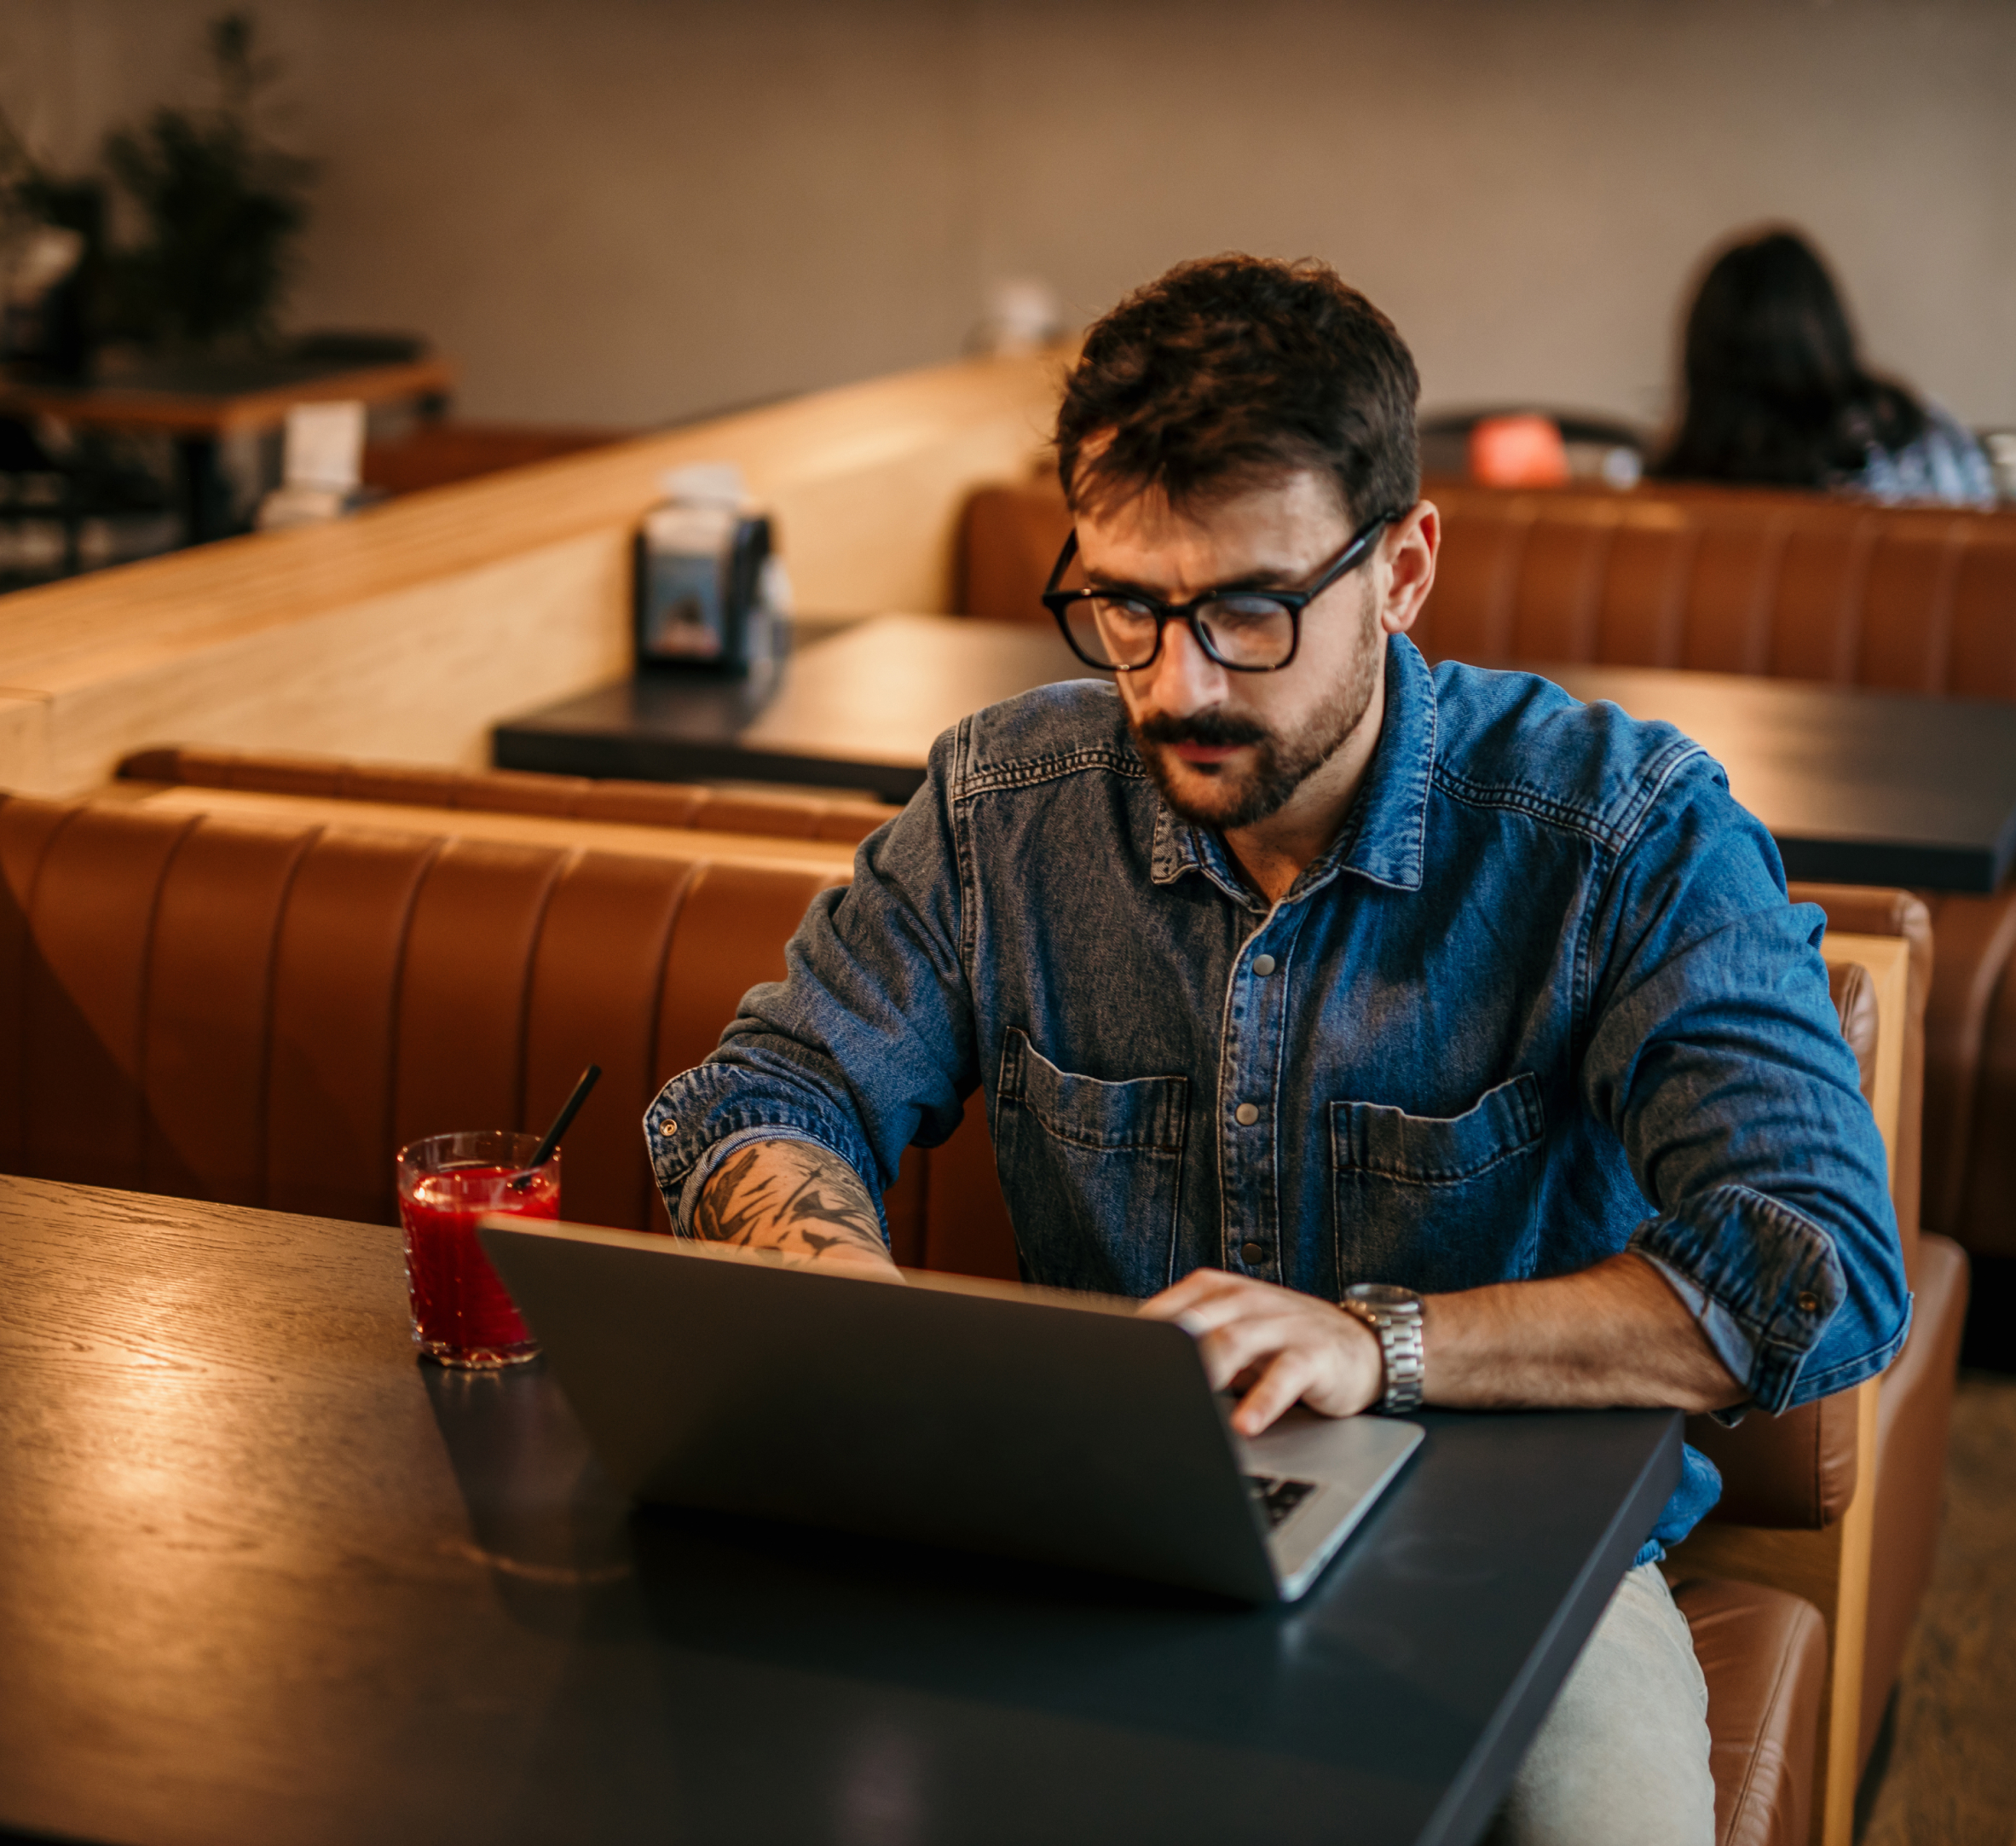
(943, 1410)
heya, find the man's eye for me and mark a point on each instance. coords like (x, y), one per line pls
(1125, 609)
(1244, 610)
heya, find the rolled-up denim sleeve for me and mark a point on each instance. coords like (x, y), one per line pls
(1716, 1055)
(866, 1043)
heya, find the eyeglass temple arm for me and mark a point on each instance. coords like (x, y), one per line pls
(1064, 558)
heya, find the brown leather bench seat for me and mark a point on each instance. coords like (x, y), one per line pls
(1763, 1654)
(259, 1011)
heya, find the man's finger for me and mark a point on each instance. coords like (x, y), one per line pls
(1227, 1309)
(1280, 1385)
(1252, 1339)
(1199, 1285)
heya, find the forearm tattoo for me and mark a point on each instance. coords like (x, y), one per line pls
(790, 1196)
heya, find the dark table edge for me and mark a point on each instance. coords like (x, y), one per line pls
(1464, 1811)
(1938, 868)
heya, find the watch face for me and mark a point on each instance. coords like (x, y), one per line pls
(1380, 1294)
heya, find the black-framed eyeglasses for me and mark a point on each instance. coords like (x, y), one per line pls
(1244, 631)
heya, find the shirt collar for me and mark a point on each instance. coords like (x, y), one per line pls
(1384, 838)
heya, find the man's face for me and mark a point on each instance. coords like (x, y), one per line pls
(1229, 748)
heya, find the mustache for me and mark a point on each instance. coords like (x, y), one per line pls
(1213, 729)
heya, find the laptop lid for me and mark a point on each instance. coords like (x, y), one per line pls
(945, 1409)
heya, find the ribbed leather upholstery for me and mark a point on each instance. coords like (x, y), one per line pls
(1791, 585)
(1763, 1654)
(261, 1012)
(1970, 1073)
(1795, 586)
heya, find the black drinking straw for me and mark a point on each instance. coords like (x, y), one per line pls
(568, 1110)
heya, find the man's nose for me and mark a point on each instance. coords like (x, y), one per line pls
(1183, 678)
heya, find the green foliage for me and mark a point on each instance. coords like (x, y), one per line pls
(222, 207)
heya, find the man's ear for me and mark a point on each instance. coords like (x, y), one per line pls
(1410, 547)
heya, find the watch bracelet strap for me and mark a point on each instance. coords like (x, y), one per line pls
(1403, 1354)
(1406, 1355)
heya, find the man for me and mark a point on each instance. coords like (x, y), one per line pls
(1286, 967)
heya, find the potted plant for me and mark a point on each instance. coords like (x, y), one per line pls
(223, 209)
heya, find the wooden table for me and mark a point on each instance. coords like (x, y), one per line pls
(199, 402)
(267, 1576)
(1856, 787)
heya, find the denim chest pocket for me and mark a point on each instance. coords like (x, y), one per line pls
(1437, 1202)
(1092, 1170)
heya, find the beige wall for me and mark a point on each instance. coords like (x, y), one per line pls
(631, 211)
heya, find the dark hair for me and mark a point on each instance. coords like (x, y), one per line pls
(1233, 371)
(1775, 392)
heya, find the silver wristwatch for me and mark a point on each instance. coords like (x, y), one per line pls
(1395, 1316)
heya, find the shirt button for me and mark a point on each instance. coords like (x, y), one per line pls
(668, 1126)
(1809, 1304)
(1255, 1255)
(1245, 1114)
(1263, 964)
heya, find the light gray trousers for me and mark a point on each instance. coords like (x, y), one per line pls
(1622, 1758)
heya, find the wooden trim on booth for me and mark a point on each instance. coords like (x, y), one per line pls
(1830, 1570)
(407, 631)
(1888, 960)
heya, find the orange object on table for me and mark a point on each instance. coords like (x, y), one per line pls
(1517, 451)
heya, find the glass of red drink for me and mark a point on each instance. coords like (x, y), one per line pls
(461, 1315)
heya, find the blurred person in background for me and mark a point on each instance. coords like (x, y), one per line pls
(1776, 395)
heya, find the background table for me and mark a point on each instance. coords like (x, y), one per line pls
(858, 708)
(1856, 787)
(197, 401)
(266, 1577)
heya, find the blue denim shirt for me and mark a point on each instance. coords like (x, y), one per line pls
(1543, 999)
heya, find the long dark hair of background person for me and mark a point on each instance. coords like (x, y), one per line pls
(1775, 393)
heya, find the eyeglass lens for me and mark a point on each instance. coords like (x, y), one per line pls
(1243, 631)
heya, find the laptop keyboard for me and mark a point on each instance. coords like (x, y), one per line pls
(1278, 1497)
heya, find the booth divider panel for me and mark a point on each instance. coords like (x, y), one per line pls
(597, 976)
(336, 976)
(1560, 588)
(1816, 620)
(1468, 614)
(458, 1062)
(92, 915)
(26, 827)
(1986, 1225)
(1907, 621)
(1731, 596)
(730, 934)
(1639, 624)
(208, 1007)
(1983, 660)
(1978, 934)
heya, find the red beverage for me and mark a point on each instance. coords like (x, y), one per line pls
(461, 1314)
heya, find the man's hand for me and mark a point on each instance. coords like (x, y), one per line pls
(1274, 1346)
(799, 1200)
(1613, 1333)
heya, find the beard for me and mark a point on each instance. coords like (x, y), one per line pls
(1282, 759)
